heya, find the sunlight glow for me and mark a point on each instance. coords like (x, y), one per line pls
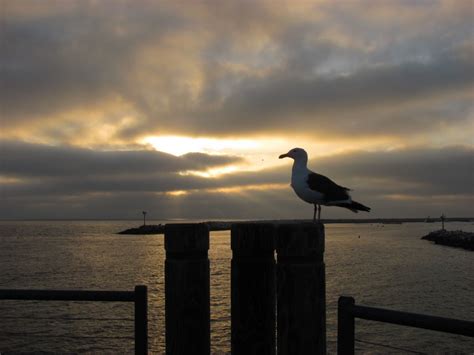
(211, 173)
(240, 189)
(402, 197)
(176, 193)
(228, 190)
(179, 145)
(10, 180)
(257, 153)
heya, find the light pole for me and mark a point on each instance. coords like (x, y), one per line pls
(144, 218)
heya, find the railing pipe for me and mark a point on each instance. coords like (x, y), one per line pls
(67, 295)
(138, 296)
(348, 311)
(446, 325)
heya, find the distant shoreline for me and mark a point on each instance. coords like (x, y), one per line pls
(226, 225)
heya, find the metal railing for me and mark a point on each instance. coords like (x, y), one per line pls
(348, 311)
(138, 297)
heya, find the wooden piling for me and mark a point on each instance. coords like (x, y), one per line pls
(253, 289)
(187, 289)
(301, 293)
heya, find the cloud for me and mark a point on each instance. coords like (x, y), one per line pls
(44, 178)
(337, 105)
(21, 159)
(87, 81)
(414, 171)
(216, 68)
(79, 56)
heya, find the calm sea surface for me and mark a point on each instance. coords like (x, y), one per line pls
(388, 266)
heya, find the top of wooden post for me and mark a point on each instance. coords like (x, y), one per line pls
(186, 237)
(253, 239)
(300, 240)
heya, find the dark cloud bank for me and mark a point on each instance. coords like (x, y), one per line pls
(58, 182)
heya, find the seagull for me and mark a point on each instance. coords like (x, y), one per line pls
(318, 189)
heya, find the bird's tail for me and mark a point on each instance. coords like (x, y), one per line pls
(354, 206)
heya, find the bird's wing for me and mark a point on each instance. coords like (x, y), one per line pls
(324, 185)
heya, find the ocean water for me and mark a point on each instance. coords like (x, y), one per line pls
(388, 266)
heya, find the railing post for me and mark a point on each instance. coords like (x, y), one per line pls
(253, 289)
(141, 320)
(301, 291)
(345, 326)
(187, 294)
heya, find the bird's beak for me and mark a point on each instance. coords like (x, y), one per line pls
(283, 156)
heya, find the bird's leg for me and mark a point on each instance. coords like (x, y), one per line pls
(319, 213)
(314, 214)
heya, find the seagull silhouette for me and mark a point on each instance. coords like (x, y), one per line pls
(318, 189)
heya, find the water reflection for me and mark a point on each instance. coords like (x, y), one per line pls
(386, 267)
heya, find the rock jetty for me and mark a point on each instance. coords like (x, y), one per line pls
(147, 229)
(160, 228)
(458, 239)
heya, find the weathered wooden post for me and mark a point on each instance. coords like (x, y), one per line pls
(187, 289)
(141, 320)
(253, 288)
(301, 291)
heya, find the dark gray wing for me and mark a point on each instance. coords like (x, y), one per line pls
(324, 185)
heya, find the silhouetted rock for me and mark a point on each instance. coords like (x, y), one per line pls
(148, 229)
(458, 239)
(160, 228)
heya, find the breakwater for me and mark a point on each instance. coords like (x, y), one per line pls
(226, 225)
(458, 239)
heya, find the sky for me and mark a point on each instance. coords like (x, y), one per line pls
(181, 108)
